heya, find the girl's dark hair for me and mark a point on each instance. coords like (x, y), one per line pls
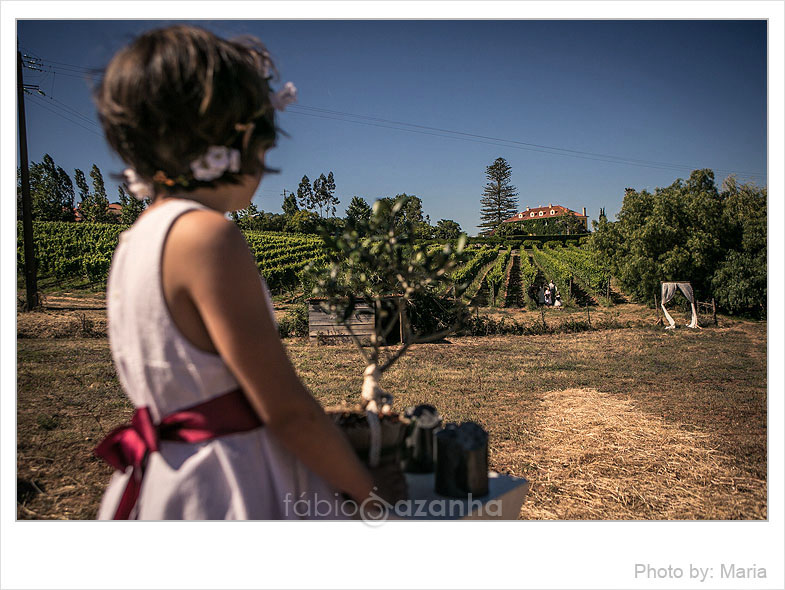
(174, 92)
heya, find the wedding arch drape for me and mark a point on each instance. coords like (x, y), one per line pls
(668, 291)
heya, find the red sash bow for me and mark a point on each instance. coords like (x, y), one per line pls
(131, 444)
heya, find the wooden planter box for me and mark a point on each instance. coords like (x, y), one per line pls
(324, 327)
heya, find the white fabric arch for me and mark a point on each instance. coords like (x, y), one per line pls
(668, 291)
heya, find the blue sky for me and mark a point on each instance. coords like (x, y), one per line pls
(665, 96)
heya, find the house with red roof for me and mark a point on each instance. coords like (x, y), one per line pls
(114, 208)
(550, 212)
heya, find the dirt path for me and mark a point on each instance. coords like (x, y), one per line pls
(481, 296)
(600, 457)
(514, 296)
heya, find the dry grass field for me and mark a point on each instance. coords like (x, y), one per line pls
(630, 423)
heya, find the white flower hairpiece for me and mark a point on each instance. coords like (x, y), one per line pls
(284, 97)
(138, 188)
(215, 163)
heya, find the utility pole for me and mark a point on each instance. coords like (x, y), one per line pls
(27, 210)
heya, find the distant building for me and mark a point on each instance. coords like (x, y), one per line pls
(114, 208)
(549, 212)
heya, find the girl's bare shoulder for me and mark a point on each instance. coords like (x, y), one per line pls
(204, 232)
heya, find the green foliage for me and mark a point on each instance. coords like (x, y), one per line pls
(358, 212)
(302, 222)
(69, 251)
(528, 273)
(330, 200)
(463, 277)
(498, 272)
(94, 206)
(72, 250)
(248, 219)
(289, 203)
(593, 275)
(690, 231)
(739, 282)
(567, 224)
(81, 184)
(319, 195)
(410, 218)
(378, 258)
(432, 314)
(252, 219)
(381, 257)
(132, 207)
(51, 192)
(323, 195)
(447, 229)
(499, 196)
(281, 258)
(267, 221)
(305, 196)
(554, 269)
(295, 322)
(488, 326)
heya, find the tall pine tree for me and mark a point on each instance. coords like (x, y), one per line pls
(319, 194)
(81, 184)
(289, 203)
(498, 200)
(96, 207)
(65, 194)
(305, 194)
(51, 191)
(331, 201)
(358, 212)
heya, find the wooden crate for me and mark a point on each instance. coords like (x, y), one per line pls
(325, 327)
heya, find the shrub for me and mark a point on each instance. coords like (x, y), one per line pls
(295, 322)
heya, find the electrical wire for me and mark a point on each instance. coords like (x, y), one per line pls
(66, 69)
(507, 145)
(73, 111)
(621, 159)
(42, 104)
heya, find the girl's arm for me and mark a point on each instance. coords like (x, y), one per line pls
(214, 266)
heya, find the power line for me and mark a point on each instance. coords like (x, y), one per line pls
(68, 111)
(476, 138)
(623, 159)
(40, 103)
(73, 67)
(84, 76)
(66, 69)
(499, 143)
(74, 111)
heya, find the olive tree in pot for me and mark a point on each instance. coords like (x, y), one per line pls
(377, 262)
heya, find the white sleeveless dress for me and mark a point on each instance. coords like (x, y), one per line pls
(247, 475)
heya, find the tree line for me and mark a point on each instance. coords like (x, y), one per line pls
(54, 198)
(312, 209)
(691, 231)
(54, 195)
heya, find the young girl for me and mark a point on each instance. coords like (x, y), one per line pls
(223, 428)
